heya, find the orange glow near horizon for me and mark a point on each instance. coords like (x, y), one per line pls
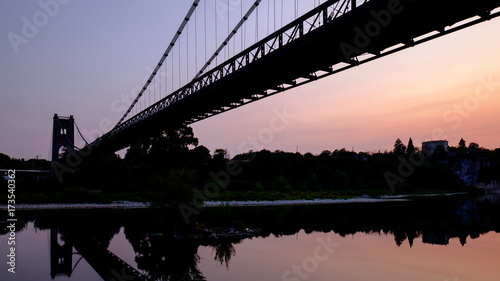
(403, 95)
(360, 256)
(427, 92)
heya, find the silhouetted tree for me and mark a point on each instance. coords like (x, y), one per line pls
(399, 236)
(461, 144)
(136, 154)
(473, 146)
(340, 180)
(463, 239)
(219, 160)
(176, 187)
(4, 160)
(342, 153)
(224, 251)
(411, 236)
(200, 156)
(326, 154)
(221, 154)
(399, 148)
(410, 148)
(168, 151)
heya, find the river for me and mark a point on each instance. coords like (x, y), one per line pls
(455, 238)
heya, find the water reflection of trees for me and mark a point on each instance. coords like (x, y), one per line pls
(434, 220)
(163, 257)
(4, 224)
(224, 251)
(167, 249)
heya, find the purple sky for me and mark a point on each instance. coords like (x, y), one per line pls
(85, 58)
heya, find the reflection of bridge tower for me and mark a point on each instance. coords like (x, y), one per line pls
(63, 136)
(61, 257)
(105, 263)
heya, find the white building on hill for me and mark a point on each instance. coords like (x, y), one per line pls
(428, 147)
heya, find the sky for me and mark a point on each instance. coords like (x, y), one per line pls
(87, 58)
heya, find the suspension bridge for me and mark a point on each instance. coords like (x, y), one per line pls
(268, 47)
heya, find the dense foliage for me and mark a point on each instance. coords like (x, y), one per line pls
(170, 168)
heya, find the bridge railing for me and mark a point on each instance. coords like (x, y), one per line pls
(303, 25)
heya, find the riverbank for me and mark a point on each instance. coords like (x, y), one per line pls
(214, 204)
(65, 206)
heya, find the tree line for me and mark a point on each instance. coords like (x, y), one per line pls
(176, 159)
(174, 164)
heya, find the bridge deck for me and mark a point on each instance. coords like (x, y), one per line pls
(338, 42)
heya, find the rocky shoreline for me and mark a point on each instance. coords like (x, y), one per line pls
(300, 202)
(211, 204)
(64, 206)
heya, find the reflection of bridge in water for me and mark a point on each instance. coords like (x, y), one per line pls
(105, 263)
(168, 250)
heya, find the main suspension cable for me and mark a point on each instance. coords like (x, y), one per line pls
(172, 43)
(230, 35)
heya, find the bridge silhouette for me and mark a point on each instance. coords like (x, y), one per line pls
(106, 264)
(331, 37)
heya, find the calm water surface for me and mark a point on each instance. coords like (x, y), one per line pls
(428, 239)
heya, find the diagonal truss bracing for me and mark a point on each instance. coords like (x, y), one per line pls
(303, 51)
(307, 23)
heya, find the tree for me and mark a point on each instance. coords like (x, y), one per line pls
(201, 154)
(326, 154)
(473, 146)
(136, 154)
(4, 160)
(410, 147)
(220, 158)
(399, 148)
(170, 150)
(399, 236)
(221, 154)
(224, 251)
(461, 144)
(179, 139)
(340, 180)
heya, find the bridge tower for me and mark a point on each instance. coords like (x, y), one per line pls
(63, 136)
(61, 257)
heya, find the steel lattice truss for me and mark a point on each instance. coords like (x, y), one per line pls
(324, 29)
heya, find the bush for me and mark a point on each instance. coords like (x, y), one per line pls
(175, 188)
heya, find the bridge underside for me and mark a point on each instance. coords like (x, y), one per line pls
(331, 48)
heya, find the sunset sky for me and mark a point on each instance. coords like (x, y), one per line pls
(90, 54)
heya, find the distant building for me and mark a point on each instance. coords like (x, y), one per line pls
(428, 147)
